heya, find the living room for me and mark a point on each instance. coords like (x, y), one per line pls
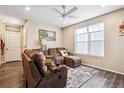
(94, 41)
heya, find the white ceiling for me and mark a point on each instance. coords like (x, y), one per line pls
(45, 15)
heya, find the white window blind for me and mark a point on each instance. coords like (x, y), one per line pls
(90, 40)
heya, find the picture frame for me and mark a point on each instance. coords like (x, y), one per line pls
(47, 35)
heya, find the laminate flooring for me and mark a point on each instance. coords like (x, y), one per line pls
(12, 76)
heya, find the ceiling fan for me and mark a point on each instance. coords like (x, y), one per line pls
(65, 13)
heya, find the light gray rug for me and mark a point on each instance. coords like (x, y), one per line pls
(78, 76)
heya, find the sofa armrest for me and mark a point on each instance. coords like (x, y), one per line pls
(31, 72)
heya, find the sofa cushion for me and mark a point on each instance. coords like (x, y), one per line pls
(59, 60)
(39, 62)
(52, 51)
(73, 57)
(72, 61)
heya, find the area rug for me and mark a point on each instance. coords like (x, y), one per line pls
(79, 75)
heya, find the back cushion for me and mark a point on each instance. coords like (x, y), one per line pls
(52, 51)
(39, 62)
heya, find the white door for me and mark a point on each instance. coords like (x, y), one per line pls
(12, 46)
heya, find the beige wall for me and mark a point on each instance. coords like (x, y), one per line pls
(114, 44)
(33, 35)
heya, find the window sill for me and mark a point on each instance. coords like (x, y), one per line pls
(89, 55)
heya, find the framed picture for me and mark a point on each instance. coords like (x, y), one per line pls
(48, 35)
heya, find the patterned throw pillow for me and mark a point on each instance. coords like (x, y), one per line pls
(63, 52)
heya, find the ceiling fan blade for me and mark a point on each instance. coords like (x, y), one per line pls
(54, 17)
(71, 11)
(57, 11)
(71, 16)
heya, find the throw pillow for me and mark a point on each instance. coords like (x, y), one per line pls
(63, 52)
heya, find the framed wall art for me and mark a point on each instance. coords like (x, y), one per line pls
(47, 35)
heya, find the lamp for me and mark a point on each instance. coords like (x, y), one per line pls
(44, 44)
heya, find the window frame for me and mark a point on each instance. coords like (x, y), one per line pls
(89, 40)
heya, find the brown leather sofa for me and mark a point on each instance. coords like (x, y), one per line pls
(55, 55)
(70, 60)
(52, 79)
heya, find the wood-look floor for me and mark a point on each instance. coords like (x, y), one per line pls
(105, 79)
(11, 76)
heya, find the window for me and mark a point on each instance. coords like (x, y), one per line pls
(90, 40)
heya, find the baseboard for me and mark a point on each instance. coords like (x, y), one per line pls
(103, 68)
(2, 63)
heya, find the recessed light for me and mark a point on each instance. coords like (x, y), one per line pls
(27, 8)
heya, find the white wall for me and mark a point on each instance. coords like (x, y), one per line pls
(33, 35)
(114, 44)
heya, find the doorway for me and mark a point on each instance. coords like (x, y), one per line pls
(12, 43)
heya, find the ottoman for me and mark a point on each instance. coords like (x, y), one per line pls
(72, 61)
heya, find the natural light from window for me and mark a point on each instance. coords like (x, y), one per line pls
(90, 40)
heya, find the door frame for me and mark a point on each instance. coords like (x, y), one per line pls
(4, 27)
